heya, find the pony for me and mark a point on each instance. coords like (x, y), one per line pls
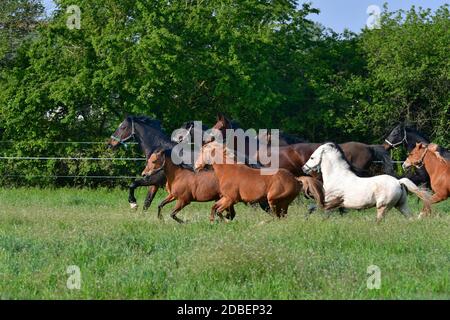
(293, 156)
(183, 184)
(340, 182)
(240, 183)
(434, 161)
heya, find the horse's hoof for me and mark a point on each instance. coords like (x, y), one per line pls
(133, 206)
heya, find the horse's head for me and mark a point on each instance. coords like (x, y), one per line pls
(416, 156)
(396, 137)
(123, 133)
(315, 160)
(221, 126)
(188, 131)
(155, 163)
(213, 153)
(184, 133)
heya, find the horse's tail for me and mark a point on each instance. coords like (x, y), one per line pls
(312, 188)
(381, 154)
(421, 193)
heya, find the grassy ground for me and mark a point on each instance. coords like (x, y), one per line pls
(126, 254)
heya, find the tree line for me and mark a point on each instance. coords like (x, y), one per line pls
(263, 63)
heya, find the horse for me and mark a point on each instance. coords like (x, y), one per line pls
(436, 162)
(340, 182)
(240, 183)
(284, 138)
(407, 137)
(183, 184)
(150, 136)
(191, 131)
(292, 157)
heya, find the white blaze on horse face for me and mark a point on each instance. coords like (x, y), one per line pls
(406, 164)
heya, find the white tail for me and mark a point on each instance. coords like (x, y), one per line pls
(422, 193)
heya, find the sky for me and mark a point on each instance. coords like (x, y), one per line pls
(341, 14)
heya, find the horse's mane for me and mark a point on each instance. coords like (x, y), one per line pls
(147, 120)
(414, 130)
(440, 152)
(350, 166)
(292, 138)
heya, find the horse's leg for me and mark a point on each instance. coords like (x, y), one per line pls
(403, 207)
(212, 215)
(402, 204)
(437, 197)
(284, 209)
(265, 206)
(152, 190)
(178, 206)
(135, 184)
(381, 210)
(232, 212)
(167, 200)
(273, 209)
(221, 205)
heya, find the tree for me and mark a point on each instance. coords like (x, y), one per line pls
(407, 76)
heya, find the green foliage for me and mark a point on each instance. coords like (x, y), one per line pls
(264, 63)
(408, 75)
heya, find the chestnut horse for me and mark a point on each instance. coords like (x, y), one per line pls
(430, 156)
(293, 157)
(183, 184)
(240, 183)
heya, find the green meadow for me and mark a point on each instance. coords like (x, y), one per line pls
(125, 254)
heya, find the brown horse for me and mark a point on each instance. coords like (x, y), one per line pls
(293, 157)
(183, 184)
(240, 183)
(437, 166)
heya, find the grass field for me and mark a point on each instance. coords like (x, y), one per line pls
(128, 254)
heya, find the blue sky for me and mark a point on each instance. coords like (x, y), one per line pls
(341, 14)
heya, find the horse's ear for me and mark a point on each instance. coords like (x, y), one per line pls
(220, 116)
(433, 147)
(420, 145)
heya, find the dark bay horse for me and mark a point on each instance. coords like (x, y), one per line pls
(407, 137)
(183, 184)
(292, 157)
(151, 137)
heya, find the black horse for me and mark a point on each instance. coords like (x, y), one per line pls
(407, 137)
(150, 136)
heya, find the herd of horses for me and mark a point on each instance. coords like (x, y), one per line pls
(335, 176)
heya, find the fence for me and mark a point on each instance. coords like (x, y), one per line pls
(25, 158)
(69, 158)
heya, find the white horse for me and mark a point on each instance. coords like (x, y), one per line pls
(384, 192)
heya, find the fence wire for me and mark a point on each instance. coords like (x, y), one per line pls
(82, 159)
